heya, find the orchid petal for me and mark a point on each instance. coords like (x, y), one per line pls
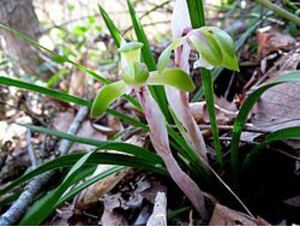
(180, 19)
(172, 77)
(106, 96)
(165, 56)
(182, 57)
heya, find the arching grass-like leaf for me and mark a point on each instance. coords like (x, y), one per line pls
(45, 206)
(241, 118)
(55, 55)
(67, 98)
(47, 91)
(102, 145)
(292, 133)
(106, 96)
(173, 77)
(96, 158)
(157, 92)
(114, 31)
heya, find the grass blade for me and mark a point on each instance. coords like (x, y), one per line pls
(102, 145)
(158, 92)
(55, 55)
(242, 116)
(46, 205)
(96, 158)
(67, 98)
(47, 91)
(114, 31)
(292, 133)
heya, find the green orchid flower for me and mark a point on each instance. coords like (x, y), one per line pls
(214, 46)
(136, 75)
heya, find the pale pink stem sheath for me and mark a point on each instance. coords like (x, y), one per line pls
(160, 142)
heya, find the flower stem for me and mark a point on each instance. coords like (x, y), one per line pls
(197, 16)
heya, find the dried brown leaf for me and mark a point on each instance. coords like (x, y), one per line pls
(223, 215)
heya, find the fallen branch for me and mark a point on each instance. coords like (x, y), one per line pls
(15, 212)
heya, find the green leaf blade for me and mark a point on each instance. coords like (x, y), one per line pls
(241, 118)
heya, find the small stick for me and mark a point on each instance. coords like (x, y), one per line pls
(30, 150)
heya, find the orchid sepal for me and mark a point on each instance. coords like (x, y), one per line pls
(173, 77)
(106, 95)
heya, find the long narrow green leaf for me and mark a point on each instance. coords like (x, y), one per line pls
(61, 58)
(88, 183)
(54, 54)
(241, 118)
(96, 158)
(46, 205)
(126, 118)
(47, 91)
(196, 11)
(66, 98)
(209, 97)
(114, 31)
(292, 133)
(158, 92)
(197, 17)
(102, 145)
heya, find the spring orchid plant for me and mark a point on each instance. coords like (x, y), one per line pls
(214, 47)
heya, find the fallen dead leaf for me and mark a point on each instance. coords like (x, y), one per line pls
(63, 120)
(271, 40)
(110, 127)
(110, 215)
(279, 106)
(223, 215)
